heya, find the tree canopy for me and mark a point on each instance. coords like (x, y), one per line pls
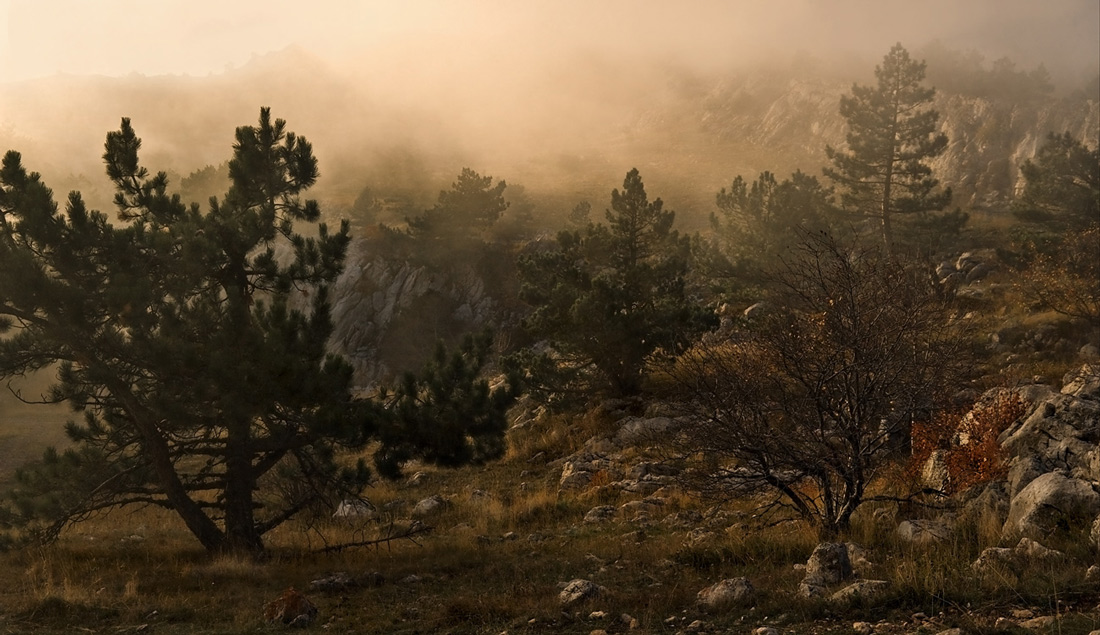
(468, 209)
(891, 136)
(194, 344)
(606, 297)
(1061, 184)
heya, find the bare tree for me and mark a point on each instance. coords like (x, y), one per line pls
(808, 403)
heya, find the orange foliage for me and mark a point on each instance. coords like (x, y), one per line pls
(972, 454)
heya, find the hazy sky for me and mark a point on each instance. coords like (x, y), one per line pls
(117, 37)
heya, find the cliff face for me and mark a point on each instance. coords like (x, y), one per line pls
(787, 124)
(390, 313)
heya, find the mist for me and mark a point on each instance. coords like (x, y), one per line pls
(561, 97)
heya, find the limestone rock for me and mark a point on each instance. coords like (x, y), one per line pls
(600, 514)
(726, 593)
(1048, 502)
(580, 590)
(431, 506)
(828, 565)
(862, 589)
(992, 559)
(1031, 550)
(923, 531)
(332, 583)
(355, 508)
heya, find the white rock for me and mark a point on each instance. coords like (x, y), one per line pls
(1049, 501)
(431, 506)
(725, 593)
(580, 590)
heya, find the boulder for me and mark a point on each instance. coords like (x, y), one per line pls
(861, 590)
(431, 506)
(600, 514)
(1028, 549)
(828, 565)
(923, 531)
(994, 559)
(1051, 502)
(355, 508)
(728, 592)
(1095, 533)
(578, 591)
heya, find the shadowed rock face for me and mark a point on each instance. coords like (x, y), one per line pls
(388, 315)
(1049, 503)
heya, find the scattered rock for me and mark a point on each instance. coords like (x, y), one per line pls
(291, 608)
(332, 583)
(861, 590)
(578, 591)
(952, 631)
(1031, 550)
(765, 630)
(1093, 574)
(1040, 623)
(923, 531)
(431, 506)
(993, 559)
(600, 514)
(828, 564)
(636, 431)
(355, 508)
(728, 592)
(1095, 533)
(863, 628)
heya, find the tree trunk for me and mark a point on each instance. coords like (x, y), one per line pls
(241, 535)
(156, 448)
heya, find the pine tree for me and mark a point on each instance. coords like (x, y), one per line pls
(609, 296)
(1061, 184)
(467, 210)
(193, 343)
(891, 135)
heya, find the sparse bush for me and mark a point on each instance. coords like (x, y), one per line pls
(809, 403)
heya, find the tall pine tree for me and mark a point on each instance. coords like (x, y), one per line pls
(177, 335)
(608, 296)
(891, 136)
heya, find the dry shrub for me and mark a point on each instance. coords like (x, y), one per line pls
(972, 454)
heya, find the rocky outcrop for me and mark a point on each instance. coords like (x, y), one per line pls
(388, 314)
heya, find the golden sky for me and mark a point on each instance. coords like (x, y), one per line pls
(117, 37)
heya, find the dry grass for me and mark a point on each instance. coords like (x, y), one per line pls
(473, 579)
(494, 560)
